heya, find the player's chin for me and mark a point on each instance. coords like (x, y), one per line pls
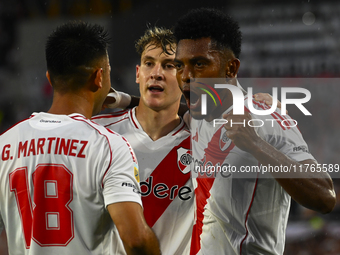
(155, 104)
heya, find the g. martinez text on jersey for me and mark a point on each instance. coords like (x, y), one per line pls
(50, 145)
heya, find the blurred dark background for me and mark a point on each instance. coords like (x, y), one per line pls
(295, 39)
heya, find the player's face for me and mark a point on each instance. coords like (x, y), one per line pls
(197, 59)
(156, 76)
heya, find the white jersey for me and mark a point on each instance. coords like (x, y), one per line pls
(234, 214)
(57, 175)
(167, 191)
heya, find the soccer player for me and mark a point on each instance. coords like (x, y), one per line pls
(157, 48)
(237, 215)
(67, 185)
(161, 142)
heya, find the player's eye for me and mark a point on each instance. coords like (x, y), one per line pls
(148, 63)
(178, 66)
(199, 64)
(169, 66)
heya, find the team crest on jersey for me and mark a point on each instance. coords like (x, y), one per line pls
(224, 140)
(184, 160)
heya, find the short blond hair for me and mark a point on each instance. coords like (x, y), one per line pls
(157, 37)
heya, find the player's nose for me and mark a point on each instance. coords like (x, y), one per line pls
(186, 75)
(157, 72)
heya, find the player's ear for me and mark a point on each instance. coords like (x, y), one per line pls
(232, 68)
(137, 73)
(48, 78)
(98, 77)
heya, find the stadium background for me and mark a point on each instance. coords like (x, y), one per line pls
(282, 39)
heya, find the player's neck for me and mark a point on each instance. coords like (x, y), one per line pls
(157, 123)
(71, 103)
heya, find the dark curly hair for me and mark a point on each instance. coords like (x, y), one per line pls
(212, 23)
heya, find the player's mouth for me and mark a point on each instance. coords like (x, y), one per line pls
(192, 98)
(155, 88)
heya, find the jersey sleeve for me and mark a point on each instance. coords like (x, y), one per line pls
(285, 137)
(110, 118)
(102, 119)
(121, 181)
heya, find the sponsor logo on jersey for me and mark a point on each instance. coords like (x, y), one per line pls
(301, 148)
(50, 121)
(224, 140)
(184, 160)
(163, 190)
(130, 185)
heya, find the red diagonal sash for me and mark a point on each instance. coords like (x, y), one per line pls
(167, 180)
(215, 155)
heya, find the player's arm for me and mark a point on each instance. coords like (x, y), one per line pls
(137, 236)
(119, 100)
(311, 189)
(122, 196)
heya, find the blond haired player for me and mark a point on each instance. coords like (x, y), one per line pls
(161, 142)
(67, 185)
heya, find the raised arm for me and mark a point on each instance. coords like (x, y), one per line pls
(312, 189)
(138, 238)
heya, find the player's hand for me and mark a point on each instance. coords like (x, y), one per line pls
(110, 99)
(117, 100)
(242, 134)
(267, 99)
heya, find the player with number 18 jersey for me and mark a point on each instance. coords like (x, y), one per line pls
(58, 172)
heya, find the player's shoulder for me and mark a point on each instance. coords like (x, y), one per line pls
(181, 131)
(259, 106)
(115, 141)
(97, 128)
(112, 115)
(261, 110)
(269, 121)
(112, 118)
(14, 127)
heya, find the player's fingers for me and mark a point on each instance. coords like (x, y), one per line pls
(231, 134)
(225, 115)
